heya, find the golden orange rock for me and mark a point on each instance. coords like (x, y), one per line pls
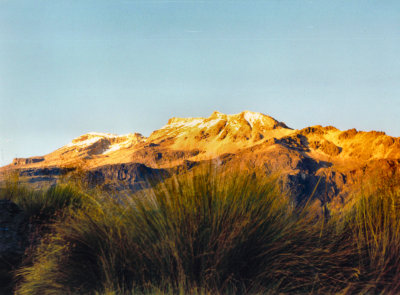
(339, 158)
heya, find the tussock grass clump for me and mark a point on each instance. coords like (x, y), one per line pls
(374, 221)
(43, 204)
(217, 233)
(41, 209)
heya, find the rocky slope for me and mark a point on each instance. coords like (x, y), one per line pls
(337, 160)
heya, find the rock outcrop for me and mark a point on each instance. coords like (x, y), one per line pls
(25, 161)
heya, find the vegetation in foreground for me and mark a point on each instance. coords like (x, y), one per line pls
(209, 233)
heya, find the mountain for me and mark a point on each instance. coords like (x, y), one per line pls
(338, 161)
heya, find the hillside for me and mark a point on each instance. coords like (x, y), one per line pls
(337, 159)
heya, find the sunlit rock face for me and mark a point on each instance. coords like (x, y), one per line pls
(336, 160)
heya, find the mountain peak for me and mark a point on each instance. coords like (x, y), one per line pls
(183, 121)
(249, 138)
(217, 114)
(93, 137)
(219, 131)
(245, 117)
(254, 118)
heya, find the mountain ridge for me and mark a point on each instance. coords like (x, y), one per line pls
(302, 156)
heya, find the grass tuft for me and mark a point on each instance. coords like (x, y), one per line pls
(215, 232)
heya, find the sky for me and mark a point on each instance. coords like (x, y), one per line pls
(124, 66)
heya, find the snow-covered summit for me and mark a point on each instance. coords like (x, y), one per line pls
(220, 131)
(103, 143)
(251, 118)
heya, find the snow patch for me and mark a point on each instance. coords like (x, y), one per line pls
(253, 117)
(109, 135)
(183, 123)
(86, 142)
(93, 137)
(209, 123)
(234, 124)
(114, 147)
(192, 124)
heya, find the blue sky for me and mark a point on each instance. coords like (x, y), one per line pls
(71, 67)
